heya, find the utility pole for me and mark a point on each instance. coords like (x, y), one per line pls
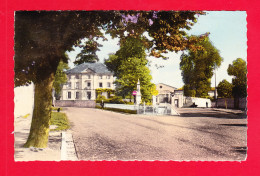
(215, 92)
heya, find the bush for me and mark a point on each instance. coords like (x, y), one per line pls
(127, 111)
(116, 100)
(100, 98)
(129, 103)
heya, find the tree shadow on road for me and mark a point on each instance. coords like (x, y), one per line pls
(221, 115)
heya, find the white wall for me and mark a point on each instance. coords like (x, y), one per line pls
(23, 100)
(201, 102)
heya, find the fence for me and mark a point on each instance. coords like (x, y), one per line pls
(165, 109)
(162, 109)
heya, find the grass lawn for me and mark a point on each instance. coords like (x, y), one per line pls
(55, 108)
(60, 120)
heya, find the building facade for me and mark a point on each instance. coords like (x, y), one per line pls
(169, 94)
(164, 93)
(84, 79)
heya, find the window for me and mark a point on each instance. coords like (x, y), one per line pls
(160, 87)
(100, 85)
(77, 95)
(108, 77)
(77, 85)
(77, 76)
(108, 84)
(69, 95)
(89, 84)
(69, 85)
(100, 77)
(89, 76)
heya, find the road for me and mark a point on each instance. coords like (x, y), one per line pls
(198, 135)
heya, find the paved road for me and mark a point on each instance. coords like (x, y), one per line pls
(198, 134)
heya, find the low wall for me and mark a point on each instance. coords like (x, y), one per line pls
(230, 103)
(201, 102)
(121, 106)
(76, 103)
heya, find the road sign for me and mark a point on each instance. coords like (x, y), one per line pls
(134, 92)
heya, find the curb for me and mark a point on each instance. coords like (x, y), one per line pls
(68, 151)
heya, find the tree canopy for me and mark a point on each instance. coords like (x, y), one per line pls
(224, 89)
(197, 69)
(130, 64)
(238, 69)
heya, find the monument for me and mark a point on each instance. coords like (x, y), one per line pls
(138, 93)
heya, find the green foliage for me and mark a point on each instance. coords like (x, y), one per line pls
(224, 89)
(238, 69)
(88, 53)
(197, 69)
(127, 111)
(100, 90)
(129, 103)
(116, 100)
(188, 91)
(60, 78)
(129, 65)
(100, 98)
(61, 120)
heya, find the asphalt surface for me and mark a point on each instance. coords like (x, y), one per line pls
(197, 135)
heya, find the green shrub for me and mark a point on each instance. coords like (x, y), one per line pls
(100, 98)
(129, 103)
(116, 100)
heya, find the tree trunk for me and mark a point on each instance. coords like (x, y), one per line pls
(39, 131)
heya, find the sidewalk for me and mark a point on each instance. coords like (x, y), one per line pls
(21, 132)
(233, 111)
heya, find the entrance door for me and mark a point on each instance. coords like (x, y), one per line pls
(89, 95)
(176, 102)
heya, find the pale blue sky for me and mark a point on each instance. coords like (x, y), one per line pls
(228, 33)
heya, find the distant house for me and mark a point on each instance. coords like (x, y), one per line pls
(170, 94)
(164, 93)
(84, 79)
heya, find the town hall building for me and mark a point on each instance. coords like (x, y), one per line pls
(84, 79)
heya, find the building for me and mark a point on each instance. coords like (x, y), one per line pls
(169, 94)
(83, 80)
(165, 93)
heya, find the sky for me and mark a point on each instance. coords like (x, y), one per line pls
(228, 33)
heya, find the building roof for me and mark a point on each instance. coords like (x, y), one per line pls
(167, 85)
(97, 67)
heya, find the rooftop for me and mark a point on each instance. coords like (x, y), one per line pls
(97, 67)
